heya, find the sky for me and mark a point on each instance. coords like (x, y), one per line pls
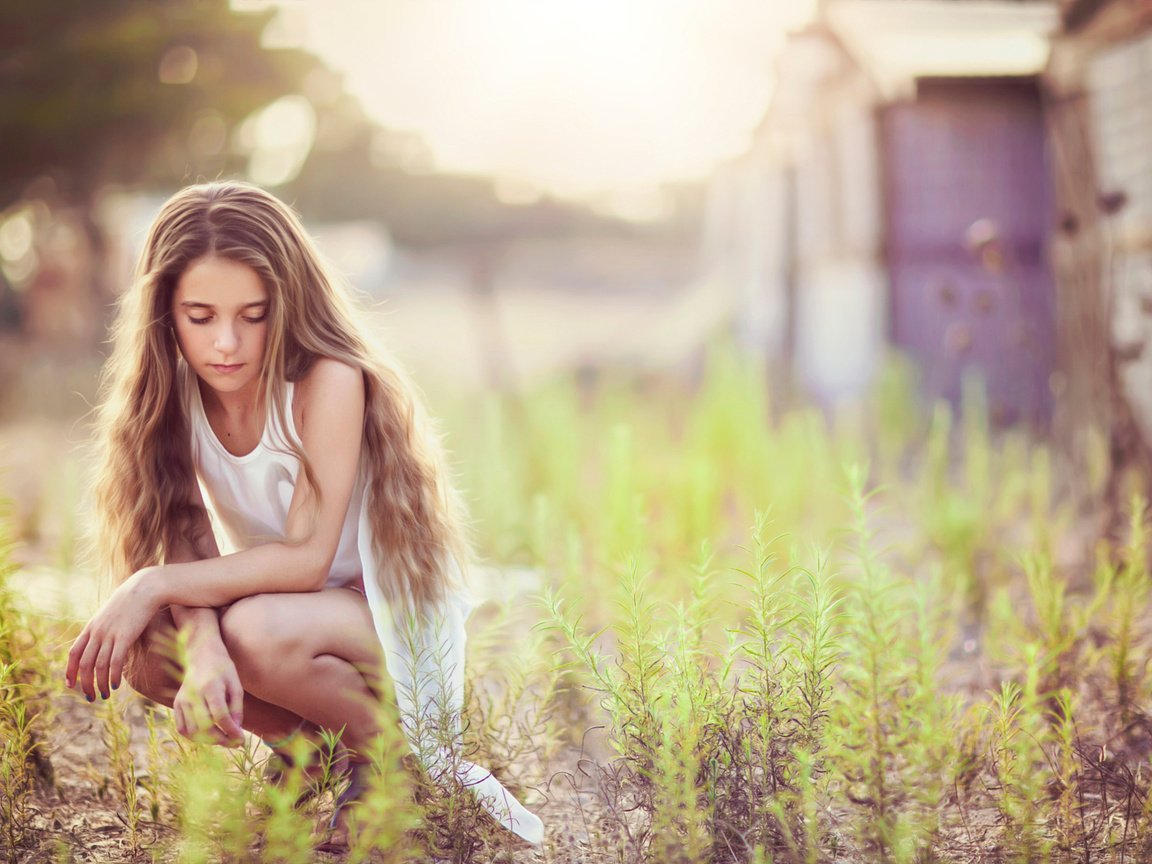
(579, 98)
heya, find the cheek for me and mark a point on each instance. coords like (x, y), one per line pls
(260, 343)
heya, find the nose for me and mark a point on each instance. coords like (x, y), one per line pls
(226, 340)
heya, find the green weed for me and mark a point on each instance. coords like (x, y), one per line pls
(25, 715)
(902, 664)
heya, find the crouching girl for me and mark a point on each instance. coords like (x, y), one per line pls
(269, 485)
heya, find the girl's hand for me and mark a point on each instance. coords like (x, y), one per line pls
(97, 656)
(210, 700)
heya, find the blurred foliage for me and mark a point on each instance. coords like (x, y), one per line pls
(358, 170)
(82, 99)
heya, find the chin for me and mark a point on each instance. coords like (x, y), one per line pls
(225, 383)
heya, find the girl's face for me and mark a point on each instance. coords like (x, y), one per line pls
(220, 310)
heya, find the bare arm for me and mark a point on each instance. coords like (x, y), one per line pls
(202, 623)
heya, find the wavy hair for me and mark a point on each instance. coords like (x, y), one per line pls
(145, 498)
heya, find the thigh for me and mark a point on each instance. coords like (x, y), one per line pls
(334, 621)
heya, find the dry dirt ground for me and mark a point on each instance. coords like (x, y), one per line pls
(77, 809)
(80, 812)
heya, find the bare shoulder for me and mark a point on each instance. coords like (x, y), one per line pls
(330, 386)
(327, 372)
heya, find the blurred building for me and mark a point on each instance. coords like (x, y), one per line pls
(898, 193)
(1100, 85)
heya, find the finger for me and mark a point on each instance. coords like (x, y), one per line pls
(87, 664)
(189, 728)
(178, 719)
(221, 715)
(199, 719)
(116, 667)
(74, 656)
(226, 739)
(100, 670)
(207, 733)
(236, 700)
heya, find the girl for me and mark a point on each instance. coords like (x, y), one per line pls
(269, 486)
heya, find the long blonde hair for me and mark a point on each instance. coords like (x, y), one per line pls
(145, 482)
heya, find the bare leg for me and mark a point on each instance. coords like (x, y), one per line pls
(314, 655)
(305, 660)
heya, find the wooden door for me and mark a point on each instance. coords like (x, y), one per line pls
(967, 213)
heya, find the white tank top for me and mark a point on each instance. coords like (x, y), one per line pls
(248, 496)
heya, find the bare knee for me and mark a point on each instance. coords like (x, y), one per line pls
(255, 636)
(251, 622)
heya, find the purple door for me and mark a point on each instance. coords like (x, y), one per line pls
(967, 212)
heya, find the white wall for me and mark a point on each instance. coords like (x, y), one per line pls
(839, 327)
(1120, 94)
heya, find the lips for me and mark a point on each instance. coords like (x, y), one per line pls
(225, 369)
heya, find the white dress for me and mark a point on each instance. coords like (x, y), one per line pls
(248, 499)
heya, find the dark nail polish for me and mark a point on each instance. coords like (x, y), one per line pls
(103, 695)
(116, 686)
(89, 698)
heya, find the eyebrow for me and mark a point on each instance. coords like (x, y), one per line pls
(196, 304)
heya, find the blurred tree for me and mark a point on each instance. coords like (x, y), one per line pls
(128, 91)
(358, 170)
(150, 92)
(121, 92)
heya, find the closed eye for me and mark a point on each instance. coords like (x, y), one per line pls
(256, 319)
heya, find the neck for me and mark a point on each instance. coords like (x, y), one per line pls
(241, 404)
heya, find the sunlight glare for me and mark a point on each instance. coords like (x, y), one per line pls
(278, 139)
(574, 97)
